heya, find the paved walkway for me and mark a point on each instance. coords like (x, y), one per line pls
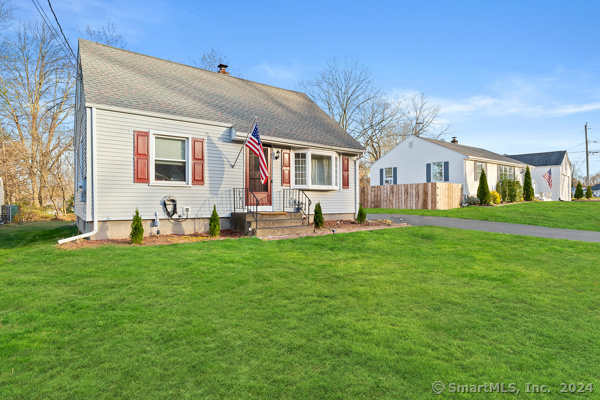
(488, 226)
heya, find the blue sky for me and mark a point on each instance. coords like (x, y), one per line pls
(511, 76)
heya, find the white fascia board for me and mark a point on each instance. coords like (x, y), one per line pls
(159, 115)
(241, 136)
(490, 161)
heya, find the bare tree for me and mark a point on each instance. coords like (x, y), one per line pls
(422, 117)
(36, 103)
(106, 34)
(7, 11)
(210, 60)
(595, 179)
(380, 126)
(342, 89)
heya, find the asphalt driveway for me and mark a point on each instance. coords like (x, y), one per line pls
(488, 226)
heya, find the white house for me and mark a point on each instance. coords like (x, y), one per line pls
(554, 163)
(149, 130)
(419, 160)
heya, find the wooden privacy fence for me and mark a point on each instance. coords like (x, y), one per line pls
(421, 196)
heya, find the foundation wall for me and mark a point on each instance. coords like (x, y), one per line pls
(121, 229)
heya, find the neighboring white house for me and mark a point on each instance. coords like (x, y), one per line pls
(147, 128)
(556, 164)
(419, 160)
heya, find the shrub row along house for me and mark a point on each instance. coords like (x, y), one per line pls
(157, 135)
(419, 160)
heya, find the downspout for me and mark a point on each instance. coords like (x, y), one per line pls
(356, 186)
(94, 186)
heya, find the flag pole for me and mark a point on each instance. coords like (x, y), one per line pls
(247, 136)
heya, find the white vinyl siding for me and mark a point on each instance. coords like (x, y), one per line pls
(82, 207)
(411, 162)
(119, 196)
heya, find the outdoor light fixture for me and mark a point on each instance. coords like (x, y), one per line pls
(277, 154)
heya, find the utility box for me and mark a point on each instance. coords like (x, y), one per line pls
(8, 212)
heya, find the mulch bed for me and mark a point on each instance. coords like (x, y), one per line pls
(157, 240)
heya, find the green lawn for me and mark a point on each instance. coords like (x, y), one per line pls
(379, 314)
(554, 214)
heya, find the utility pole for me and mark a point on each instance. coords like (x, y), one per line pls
(587, 157)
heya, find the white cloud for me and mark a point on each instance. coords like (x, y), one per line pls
(282, 72)
(557, 94)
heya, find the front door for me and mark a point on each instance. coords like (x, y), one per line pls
(261, 191)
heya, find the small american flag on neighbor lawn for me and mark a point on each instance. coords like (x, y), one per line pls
(548, 176)
(256, 146)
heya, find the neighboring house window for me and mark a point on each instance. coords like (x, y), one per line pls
(300, 169)
(170, 159)
(506, 173)
(478, 168)
(388, 176)
(437, 171)
(316, 170)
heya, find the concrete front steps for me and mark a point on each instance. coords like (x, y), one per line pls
(270, 224)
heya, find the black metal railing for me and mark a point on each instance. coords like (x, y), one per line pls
(244, 200)
(296, 200)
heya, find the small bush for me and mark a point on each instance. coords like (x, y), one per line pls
(361, 217)
(70, 206)
(137, 229)
(483, 191)
(496, 199)
(473, 201)
(528, 192)
(510, 191)
(579, 191)
(214, 226)
(318, 220)
(588, 193)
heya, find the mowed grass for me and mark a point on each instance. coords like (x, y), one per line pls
(553, 214)
(379, 314)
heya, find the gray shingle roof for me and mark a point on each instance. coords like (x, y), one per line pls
(121, 78)
(541, 159)
(474, 152)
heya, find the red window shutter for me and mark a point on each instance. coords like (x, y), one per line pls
(285, 168)
(345, 173)
(141, 157)
(197, 161)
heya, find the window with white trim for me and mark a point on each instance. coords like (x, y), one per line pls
(336, 171)
(388, 176)
(479, 166)
(505, 172)
(437, 172)
(300, 169)
(170, 159)
(316, 170)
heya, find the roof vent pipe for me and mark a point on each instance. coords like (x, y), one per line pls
(454, 140)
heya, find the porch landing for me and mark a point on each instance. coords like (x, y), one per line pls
(270, 224)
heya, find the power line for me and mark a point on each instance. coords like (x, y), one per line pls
(53, 31)
(61, 31)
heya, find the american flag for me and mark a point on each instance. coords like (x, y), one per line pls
(548, 176)
(256, 146)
